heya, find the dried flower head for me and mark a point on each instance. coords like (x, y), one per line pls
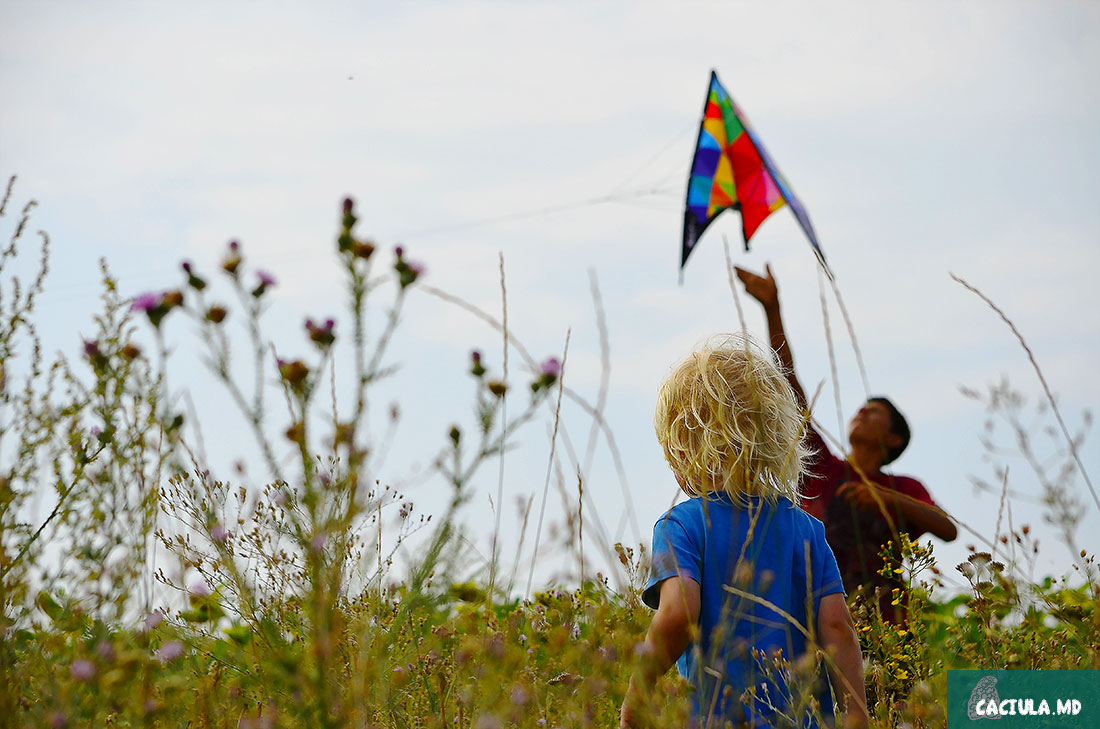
(82, 670)
(170, 651)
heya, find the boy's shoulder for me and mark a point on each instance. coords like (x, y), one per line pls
(685, 512)
(699, 510)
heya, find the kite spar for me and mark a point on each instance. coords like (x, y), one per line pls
(732, 170)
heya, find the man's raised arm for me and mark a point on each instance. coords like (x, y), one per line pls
(764, 290)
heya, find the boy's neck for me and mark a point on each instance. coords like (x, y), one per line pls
(866, 459)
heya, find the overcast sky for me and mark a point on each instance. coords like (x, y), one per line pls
(923, 138)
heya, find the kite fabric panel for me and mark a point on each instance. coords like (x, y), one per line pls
(732, 170)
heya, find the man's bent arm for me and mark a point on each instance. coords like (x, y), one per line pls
(925, 517)
(917, 516)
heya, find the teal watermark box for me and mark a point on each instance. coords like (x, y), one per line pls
(1008, 699)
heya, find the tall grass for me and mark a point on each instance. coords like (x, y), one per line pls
(139, 590)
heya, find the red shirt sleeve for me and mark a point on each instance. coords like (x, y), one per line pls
(912, 487)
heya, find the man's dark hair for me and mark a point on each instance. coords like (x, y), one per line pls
(898, 426)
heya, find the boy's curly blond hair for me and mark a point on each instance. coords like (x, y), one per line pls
(729, 421)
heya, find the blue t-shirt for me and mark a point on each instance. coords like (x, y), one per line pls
(775, 552)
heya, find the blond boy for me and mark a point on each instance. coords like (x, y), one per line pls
(741, 575)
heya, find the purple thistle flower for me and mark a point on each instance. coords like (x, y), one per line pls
(416, 267)
(170, 651)
(551, 367)
(82, 669)
(153, 619)
(105, 650)
(321, 335)
(234, 246)
(266, 279)
(186, 266)
(201, 589)
(145, 302)
(219, 534)
(398, 251)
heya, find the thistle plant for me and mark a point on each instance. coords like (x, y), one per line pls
(142, 586)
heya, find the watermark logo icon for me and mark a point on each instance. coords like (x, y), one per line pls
(985, 692)
(1063, 699)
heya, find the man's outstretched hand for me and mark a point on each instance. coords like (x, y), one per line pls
(761, 288)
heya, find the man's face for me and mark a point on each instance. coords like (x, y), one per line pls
(871, 425)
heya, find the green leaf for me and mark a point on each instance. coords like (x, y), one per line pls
(48, 605)
(242, 634)
(195, 616)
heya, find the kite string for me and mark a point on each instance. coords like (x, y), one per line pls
(66, 291)
(617, 196)
(660, 153)
(851, 333)
(733, 286)
(832, 354)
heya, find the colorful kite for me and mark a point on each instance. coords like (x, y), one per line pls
(731, 169)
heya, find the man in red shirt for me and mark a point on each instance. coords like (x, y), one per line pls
(862, 507)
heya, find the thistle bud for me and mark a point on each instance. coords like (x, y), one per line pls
(407, 271)
(363, 249)
(349, 218)
(232, 260)
(216, 314)
(476, 369)
(171, 300)
(91, 350)
(549, 372)
(192, 280)
(265, 281)
(294, 372)
(321, 334)
(296, 433)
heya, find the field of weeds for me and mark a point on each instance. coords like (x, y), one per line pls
(289, 615)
